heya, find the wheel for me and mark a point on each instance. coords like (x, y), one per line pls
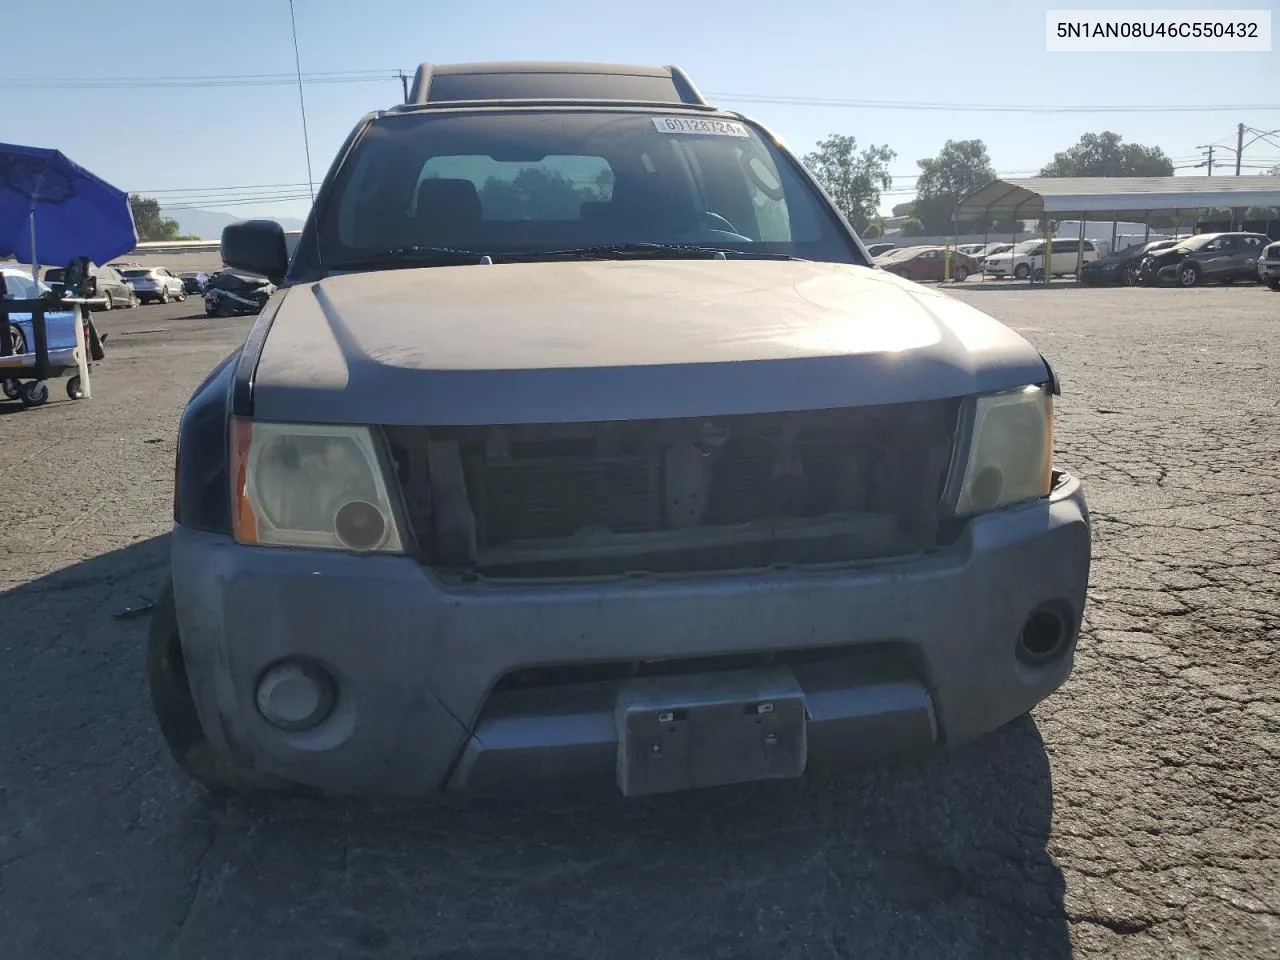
(75, 389)
(34, 393)
(1189, 274)
(164, 295)
(1022, 271)
(181, 295)
(1038, 276)
(12, 389)
(17, 342)
(1274, 284)
(960, 275)
(175, 711)
(110, 304)
(1130, 277)
(133, 301)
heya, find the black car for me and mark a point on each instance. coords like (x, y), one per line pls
(1122, 266)
(1205, 258)
(230, 293)
(194, 282)
(104, 286)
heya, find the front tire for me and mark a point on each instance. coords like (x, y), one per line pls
(961, 274)
(175, 710)
(1274, 285)
(110, 304)
(1022, 271)
(164, 295)
(1188, 274)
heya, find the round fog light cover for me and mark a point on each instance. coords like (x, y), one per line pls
(360, 525)
(295, 695)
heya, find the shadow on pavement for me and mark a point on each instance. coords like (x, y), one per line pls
(111, 852)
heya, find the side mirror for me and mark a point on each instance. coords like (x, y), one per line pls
(256, 246)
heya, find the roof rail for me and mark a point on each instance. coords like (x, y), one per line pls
(475, 82)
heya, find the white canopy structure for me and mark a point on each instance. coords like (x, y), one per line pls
(1116, 198)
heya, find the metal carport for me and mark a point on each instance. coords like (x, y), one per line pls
(1135, 199)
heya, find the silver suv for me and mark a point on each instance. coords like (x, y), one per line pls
(583, 443)
(155, 284)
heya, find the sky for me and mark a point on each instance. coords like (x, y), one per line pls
(236, 143)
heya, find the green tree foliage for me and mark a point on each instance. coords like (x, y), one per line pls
(1107, 155)
(149, 223)
(853, 179)
(911, 227)
(960, 168)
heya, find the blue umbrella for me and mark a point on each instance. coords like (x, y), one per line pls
(45, 197)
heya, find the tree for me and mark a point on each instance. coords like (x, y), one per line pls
(1107, 155)
(854, 180)
(1273, 172)
(960, 168)
(149, 223)
(911, 227)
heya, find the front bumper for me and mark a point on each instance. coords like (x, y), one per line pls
(925, 652)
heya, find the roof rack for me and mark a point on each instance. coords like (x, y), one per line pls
(534, 81)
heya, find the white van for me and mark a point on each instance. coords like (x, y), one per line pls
(1026, 259)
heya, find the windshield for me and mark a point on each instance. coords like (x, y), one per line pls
(532, 183)
(135, 274)
(1028, 246)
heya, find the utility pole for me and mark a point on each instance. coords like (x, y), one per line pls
(404, 82)
(1210, 147)
(1239, 146)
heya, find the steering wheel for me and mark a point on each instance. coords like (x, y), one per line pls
(712, 235)
(716, 222)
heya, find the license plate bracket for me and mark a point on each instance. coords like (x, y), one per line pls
(678, 733)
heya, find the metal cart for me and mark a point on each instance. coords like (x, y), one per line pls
(24, 376)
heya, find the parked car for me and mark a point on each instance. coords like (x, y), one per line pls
(1026, 259)
(1269, 266)
(926, 264)
(1121, 267)
(155, 284)
(229, 294)
(1205, 258)
(875, 249)
(106, 287)
(194, 282)
(990, 248)
(644, 492)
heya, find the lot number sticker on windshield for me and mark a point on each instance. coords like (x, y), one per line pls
(715, 128)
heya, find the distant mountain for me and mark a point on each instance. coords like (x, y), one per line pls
(208, 224)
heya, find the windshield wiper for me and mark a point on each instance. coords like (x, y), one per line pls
(625, 251)
(411, 256)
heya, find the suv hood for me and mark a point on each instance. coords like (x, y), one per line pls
(621, 340)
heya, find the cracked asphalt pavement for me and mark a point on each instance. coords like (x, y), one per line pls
(1134, 814)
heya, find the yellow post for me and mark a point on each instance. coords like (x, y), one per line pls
(946, 263)
(1048, 252)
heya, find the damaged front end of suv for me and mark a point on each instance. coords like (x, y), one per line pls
(646, 480)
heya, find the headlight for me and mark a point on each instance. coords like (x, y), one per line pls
(306, 485)
(1010, 451)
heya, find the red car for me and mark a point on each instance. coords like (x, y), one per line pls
(925, 264)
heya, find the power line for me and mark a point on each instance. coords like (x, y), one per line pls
(381, 75)
(225, 80)
(987, 108)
